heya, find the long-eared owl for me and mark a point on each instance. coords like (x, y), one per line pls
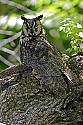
(36, 51)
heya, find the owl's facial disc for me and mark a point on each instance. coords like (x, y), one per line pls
(32, 27)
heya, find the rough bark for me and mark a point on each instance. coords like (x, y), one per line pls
(23, 102)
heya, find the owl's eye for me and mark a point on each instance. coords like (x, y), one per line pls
(25, 28)
(38, 27)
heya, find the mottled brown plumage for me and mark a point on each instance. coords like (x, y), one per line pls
(37, 52)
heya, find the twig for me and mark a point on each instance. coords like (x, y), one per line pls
(5, 61)
(6, 32)
(16, 5)
(8, 51)
(10, 39)
(13, 53)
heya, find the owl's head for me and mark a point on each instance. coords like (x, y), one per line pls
(32, 27)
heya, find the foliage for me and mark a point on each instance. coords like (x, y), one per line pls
(74, 31)
(67, 35)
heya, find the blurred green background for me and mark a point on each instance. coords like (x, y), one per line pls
(63, 23)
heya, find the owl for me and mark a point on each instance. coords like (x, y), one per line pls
(39, 53)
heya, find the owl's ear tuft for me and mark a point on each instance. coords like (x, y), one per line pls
(39, 17)
(23, 18)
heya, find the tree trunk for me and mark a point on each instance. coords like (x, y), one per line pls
(24, 102)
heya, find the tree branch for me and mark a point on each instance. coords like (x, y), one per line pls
(16, 5)
(10, 39)
(23, 101)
